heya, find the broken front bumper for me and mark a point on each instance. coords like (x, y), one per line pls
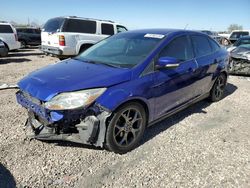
(86, 126)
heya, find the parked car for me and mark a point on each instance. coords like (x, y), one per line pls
(29, 36)
(108, 94)
(240, 60)
(9, 36)
(68, 36)
(3, 49)
(241, 41)
(236, 34)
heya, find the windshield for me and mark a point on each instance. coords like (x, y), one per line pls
(124, 50)
(53, 24)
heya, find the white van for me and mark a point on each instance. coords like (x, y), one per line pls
(68, 36)
(8, 35)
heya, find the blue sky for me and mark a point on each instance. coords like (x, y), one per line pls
(198, 14)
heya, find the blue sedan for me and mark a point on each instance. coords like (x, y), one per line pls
(111, 92)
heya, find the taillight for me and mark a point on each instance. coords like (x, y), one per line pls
(61, 40)
(16, 37)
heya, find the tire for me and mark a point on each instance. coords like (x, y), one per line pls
(83, 48)
(23, 44)
(217, 91)
(126, 128)
(6, 51)
(62, 58)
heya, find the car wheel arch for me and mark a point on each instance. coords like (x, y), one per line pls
(83, 43)
(6, 45)
(132, 100)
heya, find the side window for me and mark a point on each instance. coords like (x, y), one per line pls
(201, 45)
(120, 28)
(80, 26)
(215, 47)
(5, 29)
(179, 48)
(107, 29)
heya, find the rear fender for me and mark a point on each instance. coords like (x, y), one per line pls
(82, 42)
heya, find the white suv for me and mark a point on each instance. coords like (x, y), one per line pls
(68, 36)
(8, 35)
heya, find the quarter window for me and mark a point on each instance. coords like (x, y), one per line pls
(201, 45)
(180, 48)
(107, 29)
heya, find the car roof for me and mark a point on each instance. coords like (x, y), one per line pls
(82, 18)
(4, 23)
(166, 31)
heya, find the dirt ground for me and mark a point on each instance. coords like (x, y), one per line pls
(206, 145)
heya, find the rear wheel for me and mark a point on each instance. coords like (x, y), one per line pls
(6, 51)
(126, 128)
(23, 44)
(84, 47)
(217, 91)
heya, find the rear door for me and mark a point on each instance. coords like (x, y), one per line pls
(207, 59)
(173, 88)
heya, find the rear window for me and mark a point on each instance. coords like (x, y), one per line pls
(201, 45)
(79, 26)
(107, 29)
(53, 24)
(5, 29)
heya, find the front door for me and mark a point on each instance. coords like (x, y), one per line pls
(174, 87)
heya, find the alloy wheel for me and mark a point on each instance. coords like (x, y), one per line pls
(127, 127)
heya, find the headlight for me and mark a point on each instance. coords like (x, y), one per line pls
(73, 100)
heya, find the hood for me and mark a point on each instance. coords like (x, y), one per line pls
(71, 75)
(240, 52)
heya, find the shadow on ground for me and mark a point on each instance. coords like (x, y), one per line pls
(21, 54)
(163, 125)
(6, 178)
(176, 118)
(13, 60)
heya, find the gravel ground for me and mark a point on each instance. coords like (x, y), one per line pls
(206, 145)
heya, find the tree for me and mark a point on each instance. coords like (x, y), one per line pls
(234, 27)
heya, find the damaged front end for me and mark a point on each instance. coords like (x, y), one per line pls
(239, 66)
(85, 125)
(240, 60)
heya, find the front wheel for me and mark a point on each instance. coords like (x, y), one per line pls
(126, 128)
(218, 89)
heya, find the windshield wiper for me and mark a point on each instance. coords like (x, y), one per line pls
(86, 60)
(111, 65)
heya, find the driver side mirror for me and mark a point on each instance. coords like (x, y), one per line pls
(167, 63)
